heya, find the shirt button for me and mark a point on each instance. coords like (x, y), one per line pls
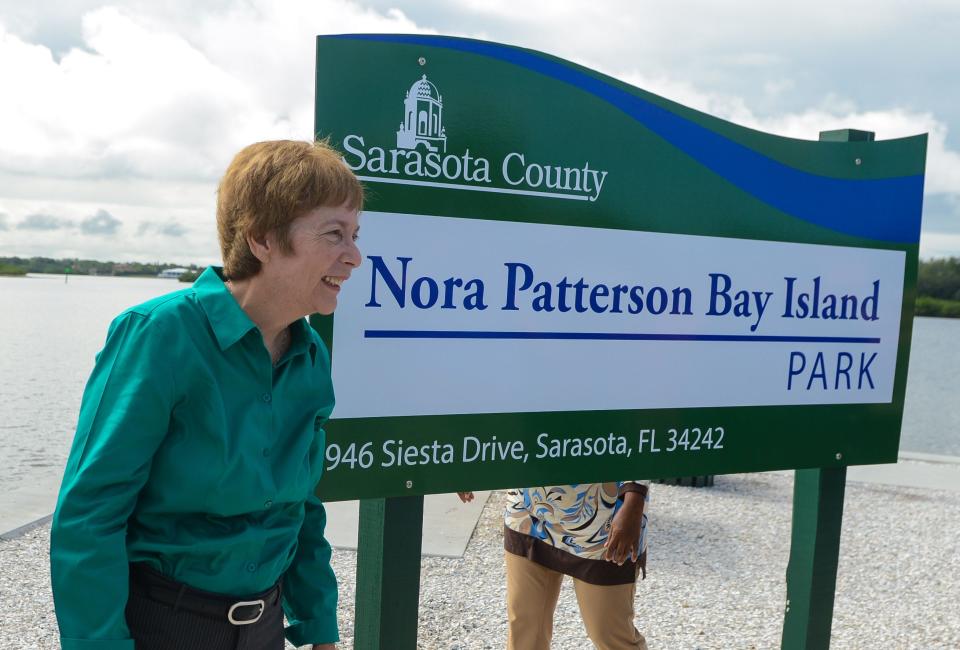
(266, 451)
(251, 567)
(268, 503)
(266, 398)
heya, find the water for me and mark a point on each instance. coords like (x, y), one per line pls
(50, 332)
(931, 415)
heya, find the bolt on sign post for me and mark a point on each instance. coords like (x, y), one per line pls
(568, 279)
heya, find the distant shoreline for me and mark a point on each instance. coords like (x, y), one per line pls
(91, 267)
(929, 306)
(8, 270)
(55, 276)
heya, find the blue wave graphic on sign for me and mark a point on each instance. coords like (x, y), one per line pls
(886, 209)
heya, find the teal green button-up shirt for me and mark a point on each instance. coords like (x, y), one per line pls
(195, 454)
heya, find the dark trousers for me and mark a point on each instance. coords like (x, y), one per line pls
(163, 615)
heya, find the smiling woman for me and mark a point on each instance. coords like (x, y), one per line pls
(188, 494)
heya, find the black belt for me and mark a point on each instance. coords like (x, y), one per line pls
(237, 611)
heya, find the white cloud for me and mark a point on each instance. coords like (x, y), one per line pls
(939, 244)
(43, 222)
(139, 103)
(777, 86)
(180, 234)
(100, 224)
(146, 114)
(143, 113)
(143, 100)
(169, 229)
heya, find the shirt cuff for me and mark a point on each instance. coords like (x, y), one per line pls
(633, 486)
(96, 644)
(311, 631)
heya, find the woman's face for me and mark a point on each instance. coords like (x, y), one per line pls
(324, 254)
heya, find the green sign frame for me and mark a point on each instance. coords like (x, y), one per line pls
(672, 171)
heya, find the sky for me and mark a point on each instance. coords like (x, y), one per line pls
(117, 119)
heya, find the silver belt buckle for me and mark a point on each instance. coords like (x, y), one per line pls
(245, 603)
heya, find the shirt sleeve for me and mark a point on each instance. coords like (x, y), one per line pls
(124, 416)
(309, 585)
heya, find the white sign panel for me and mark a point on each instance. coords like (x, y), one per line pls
(460, 316)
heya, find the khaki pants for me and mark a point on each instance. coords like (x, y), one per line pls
(532, 593)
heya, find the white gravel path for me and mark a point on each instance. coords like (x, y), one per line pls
(716, 575)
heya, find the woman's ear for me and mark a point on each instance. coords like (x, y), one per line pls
(261, 247)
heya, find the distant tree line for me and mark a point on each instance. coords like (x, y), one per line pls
(938, 288)
(9, 269)
(11, 265)
(940, 279)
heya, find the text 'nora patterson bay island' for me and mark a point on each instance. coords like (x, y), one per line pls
(396, 286)
(395, 283)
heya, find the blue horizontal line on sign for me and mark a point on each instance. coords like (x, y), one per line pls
(608, 336)
(475, 188)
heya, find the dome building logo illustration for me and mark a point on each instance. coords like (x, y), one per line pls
(422, 118)
(421, 157)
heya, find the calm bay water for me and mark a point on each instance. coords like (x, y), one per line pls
(51, 330)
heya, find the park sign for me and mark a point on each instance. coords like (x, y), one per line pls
(568, 279)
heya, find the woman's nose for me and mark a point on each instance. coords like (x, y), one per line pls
(353, 256)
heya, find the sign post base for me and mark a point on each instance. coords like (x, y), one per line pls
(388, 573)
(814, 554)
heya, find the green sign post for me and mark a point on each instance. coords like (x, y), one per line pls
(568, 279)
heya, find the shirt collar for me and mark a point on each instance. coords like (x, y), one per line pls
(227, 319)
(301, 340)
(230, 323)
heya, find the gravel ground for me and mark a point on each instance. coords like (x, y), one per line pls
(716, 575)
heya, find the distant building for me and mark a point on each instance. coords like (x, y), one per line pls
(171, 274)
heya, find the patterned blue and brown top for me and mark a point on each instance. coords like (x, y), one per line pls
(565, 527)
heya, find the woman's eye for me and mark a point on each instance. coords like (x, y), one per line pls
(356, 236)
(334, 236)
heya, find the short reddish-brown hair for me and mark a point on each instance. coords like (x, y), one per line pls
(267, 186)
